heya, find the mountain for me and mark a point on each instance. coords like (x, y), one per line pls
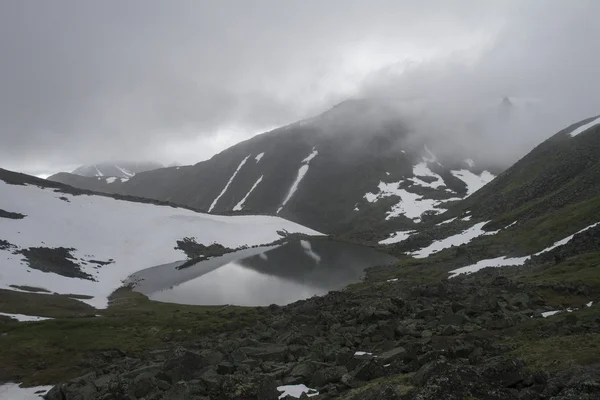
(495, 298)
(545, 204)
(360, 163)
(71, 241)
(120, 170)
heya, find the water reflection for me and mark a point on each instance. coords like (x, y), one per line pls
(262, 276)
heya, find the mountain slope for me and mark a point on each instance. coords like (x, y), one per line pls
(320, 172)
(120, 170)
(70, 241)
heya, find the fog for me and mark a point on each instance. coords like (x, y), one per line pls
(179, 81)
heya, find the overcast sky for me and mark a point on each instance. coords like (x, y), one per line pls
(177, 81)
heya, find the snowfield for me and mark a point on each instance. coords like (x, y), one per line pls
(505, 262)
(134, 235)
(455, 240)
(301, 173)
(12, 391)
(585, 127)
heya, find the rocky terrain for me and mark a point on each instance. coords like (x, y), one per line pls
(476, 337)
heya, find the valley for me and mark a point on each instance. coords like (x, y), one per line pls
(490, 295)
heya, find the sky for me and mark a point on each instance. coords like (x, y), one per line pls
(178, 81)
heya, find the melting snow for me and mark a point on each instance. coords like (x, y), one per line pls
(474, 182)
(397, 237)
(12, 391)
(240, 205)
(309, 251)
(301, 172)
(509, 225)
(422, 169)
(589, 304)
(259, 157)
(98, 173)
(446, 221)
(549, 313)
(585, 127)
(23, 317)
(296, 391)
(494, 262)
(411, 205)
(362, 353)
(125, 172)
(455, 240)
(214, 203)
(134, 235)
(467, 218)
(392, 280)
(112, 179)
(504, 262)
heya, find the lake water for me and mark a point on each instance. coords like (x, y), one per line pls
(261, 276)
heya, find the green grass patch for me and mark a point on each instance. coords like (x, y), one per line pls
(43, 305)
(400, 383)
(56, 350)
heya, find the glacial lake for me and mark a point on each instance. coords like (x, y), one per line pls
(261, 276)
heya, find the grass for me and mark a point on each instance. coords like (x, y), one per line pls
(33, 289)
(56, 350)
(400, 383)
(43, 305)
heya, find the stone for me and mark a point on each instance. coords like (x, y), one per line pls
(269, 352)
(392, 355)
(328, 375)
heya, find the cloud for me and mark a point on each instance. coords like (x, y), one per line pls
(179, 81)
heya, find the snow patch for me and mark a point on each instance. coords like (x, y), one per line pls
(301, 173)
(455, 240)
(585, 127)
(24, 318)
(467, 218)
(509, 225)
(240, 205)
(135, 235)
(422, 169)
(125, 172)
(494, 262)
(259, 157)
(470, 162)
(411, 205)
(504, 262)
(550, 313)
(392, 280)
(446, 221)
(98, 172)
(309, 251)
(474, 182)
(12, 391)
(397, 237)
(362, 353)
(112, 179)
(214, 203)
(589, 304)
(296, 391)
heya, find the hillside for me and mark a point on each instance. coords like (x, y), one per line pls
(120, 170)
(345, 169)
(73, 242)
(496, 298)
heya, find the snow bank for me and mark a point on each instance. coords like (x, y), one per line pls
(474, 182)
(585, 127)
(12, 391)
(505, 262)
(301, 173)
(296, 391)
(494, 262)
(397, 237)
(135, 235)
(455, 240)
(23, 317)
(214, 203)
(240, 205)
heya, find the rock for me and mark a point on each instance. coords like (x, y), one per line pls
(304, 370)
(185, 364)
(392, 355)
(225, 368)
(268, 352)
(369, 370)
(449, 330)
(507, 373)
(211, 380)
(328, 375)
(242, 387)
(238, 356)
(349, 381)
